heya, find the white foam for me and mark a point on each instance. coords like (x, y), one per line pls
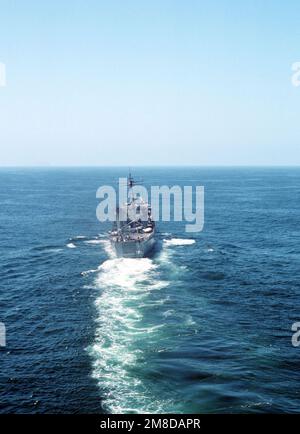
(125, 273)
(168, 313)
(179, 242)
(189, 321)
(104, 243)
(54, 250)
(85, 273)
(125, 286)
(71, 246)
(94, 241)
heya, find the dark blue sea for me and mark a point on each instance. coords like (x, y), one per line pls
(203, 326)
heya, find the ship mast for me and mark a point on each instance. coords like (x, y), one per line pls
(130, 184)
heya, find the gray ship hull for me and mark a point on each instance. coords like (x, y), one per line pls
(133, 248)
(133, 233)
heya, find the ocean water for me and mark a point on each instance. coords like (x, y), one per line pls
(203, 326)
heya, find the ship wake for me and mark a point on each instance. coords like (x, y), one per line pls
(131, 330)
(123, 334)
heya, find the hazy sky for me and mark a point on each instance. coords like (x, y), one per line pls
(149, 82)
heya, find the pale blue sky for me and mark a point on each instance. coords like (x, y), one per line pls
(149, 82)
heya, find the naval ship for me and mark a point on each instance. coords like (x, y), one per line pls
(134, 235)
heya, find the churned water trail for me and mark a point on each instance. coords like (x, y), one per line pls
(118, 348)
(128, 332)
(179, 242)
